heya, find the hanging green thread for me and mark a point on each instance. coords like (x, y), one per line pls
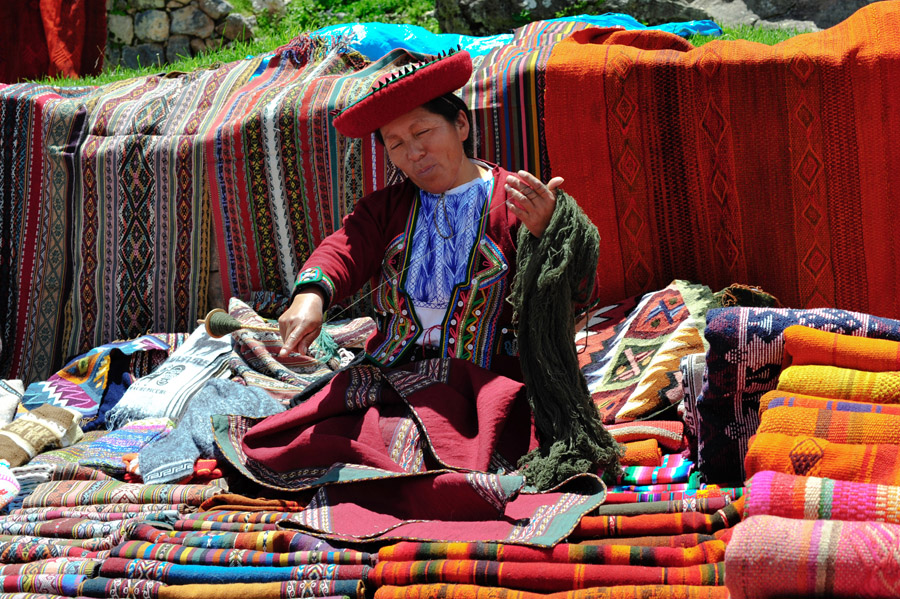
(550, 280)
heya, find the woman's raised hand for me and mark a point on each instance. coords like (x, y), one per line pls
(301, 323)
(532, 201)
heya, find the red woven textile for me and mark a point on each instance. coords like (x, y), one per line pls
(51, 37)
(471, 591)
(658, 524)
(539, 576)
(704, 553)
(737, 161)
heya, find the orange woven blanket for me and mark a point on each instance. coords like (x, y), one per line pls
(774, 399)
(692, 161)
(806, 345)
(851, 428)
(841, 383)
(810, 456)
(642, 453)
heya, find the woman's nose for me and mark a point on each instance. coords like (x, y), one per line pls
(415, 150)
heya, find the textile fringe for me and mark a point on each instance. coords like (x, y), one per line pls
(550, 279)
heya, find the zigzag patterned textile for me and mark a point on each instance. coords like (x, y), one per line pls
(471, 591)
(736, 161)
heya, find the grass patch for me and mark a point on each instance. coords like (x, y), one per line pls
(309, 15)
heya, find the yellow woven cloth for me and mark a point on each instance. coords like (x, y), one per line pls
(805, 345)
(841, 383)
(809, 456)
(837, 427)
(823, 403)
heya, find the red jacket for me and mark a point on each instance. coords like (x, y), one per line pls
(374, 243)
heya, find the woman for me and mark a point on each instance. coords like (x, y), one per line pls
(445, 244)
(443, 240)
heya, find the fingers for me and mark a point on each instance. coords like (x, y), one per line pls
(298, 342)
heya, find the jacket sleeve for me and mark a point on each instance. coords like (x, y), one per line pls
(350, 256)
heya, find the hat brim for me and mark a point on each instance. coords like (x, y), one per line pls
(405, 91)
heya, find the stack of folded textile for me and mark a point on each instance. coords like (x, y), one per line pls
(822, 508)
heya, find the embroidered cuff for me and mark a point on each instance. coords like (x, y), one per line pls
(315, 276)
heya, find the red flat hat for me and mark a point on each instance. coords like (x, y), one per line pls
(398, 93)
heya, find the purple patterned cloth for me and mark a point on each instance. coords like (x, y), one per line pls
(743, 362)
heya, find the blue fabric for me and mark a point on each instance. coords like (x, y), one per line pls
(374, 40)
(438, 264)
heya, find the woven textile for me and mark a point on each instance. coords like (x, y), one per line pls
(681, 179)
(813, 498)
(470, 591)
(841, 383)
(770, 556)
(172, 457)
(179, 554)
(672, 469)
(105, 453)
(289, 589)
(639, 373)
(59, 565)
(280, 541)
(235, 502)
(657, 524)
(811, 456)
(539, 576)
(93, 382)
(69, 493)
(746, 349)
(165, 392)
(11, 392)
(9, 485)
(774, 399)
(170, 573)
(53, 37)
(704, 553)
(618, 497)
(835, 426)
(45, 427)
(806, 345)
(668, 433)
(254, 359)
(642, 453)
(704, 505)
(67, 585)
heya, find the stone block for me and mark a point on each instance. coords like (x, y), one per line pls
(142, 55)
(151, 26)
(237, 28)
(191, 21)
(179, 47)
(216, 9)
(121, 28)
(198, 45)
(147, 4)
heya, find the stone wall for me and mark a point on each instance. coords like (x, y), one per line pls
(156, 32)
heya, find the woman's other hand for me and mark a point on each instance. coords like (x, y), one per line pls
(532, 201)
(301, 323)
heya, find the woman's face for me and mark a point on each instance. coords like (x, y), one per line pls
(429, 149)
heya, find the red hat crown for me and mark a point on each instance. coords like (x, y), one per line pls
(395, 94)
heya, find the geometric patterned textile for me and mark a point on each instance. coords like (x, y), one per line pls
(736, 162)
(769, 556)
(639, 370)
(471, 591)
(743, 363)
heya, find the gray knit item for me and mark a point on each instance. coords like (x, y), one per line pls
(173, 457)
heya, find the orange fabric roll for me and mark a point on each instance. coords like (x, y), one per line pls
(805, 345)
(809, 456)
(642, 453)
(471, 591)
(823, 403)
(849, 428)
(841, 383)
